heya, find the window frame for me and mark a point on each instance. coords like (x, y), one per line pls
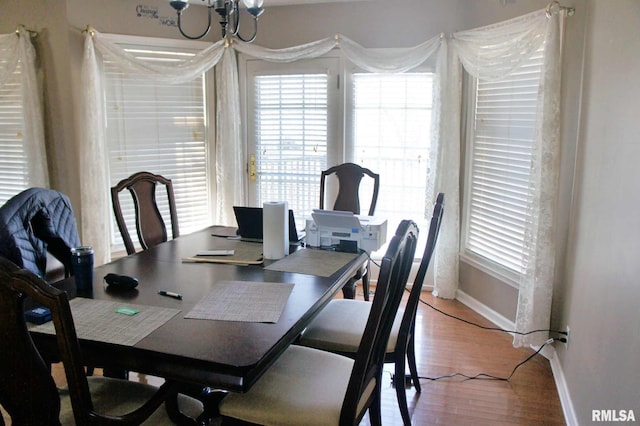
(428, 67)
(343, 148)
(332, 63)
(209, 119)
(491, 267)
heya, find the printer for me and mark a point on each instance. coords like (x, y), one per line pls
(345, 231)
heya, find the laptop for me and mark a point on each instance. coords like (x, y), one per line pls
(249, 221)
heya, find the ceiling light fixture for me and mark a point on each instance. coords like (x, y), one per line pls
(229, 11)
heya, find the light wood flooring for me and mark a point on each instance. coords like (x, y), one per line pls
(445, 346)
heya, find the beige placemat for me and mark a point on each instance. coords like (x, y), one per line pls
(322, 263)
(97, 320)
(246, 301)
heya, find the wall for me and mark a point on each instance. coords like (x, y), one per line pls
(602, 285)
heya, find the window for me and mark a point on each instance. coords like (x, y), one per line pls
(291, 137)
(160, 128)
(13, 161)
(391, 131)
(293, 130)
(501, 141)
(296, 129)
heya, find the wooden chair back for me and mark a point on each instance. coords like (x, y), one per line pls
(409, 317)
(27, 390)
(349, 177)
(369, 360)
(150, 225)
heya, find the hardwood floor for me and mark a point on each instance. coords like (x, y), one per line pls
(445, 346)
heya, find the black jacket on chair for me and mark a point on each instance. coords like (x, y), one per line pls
(34, 221)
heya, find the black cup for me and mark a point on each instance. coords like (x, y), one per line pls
(82, 270)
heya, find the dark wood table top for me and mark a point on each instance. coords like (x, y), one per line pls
(222, 354)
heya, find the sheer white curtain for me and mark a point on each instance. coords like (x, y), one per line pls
(492, 53)
(445, 169)
(96, 208)
(17, 49)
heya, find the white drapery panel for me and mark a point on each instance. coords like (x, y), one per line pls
(492, 53)
(17, 49)
(445, 169)
(230, 156)
(96, 208)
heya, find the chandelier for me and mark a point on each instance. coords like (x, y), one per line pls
(229, 11)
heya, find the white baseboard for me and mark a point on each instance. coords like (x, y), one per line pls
(563, 392)
(548, 352)
(493, 316)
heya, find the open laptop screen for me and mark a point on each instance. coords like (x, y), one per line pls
(249, 221)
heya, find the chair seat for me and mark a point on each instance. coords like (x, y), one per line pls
(339, 327)
(311, 387)
(117, 397)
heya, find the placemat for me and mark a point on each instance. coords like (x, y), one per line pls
(322, 263)
(97, 320)
(245, 301)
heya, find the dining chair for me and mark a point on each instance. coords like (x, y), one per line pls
(307, 386)
(328, 332)
(150, 225)
(349, 176)
(28, 392)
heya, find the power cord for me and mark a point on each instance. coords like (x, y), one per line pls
(484, 327)
(485, 376)
(560, 339)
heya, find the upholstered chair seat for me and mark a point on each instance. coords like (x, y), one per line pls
(118, 397)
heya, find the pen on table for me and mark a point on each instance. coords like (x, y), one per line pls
(170, 294)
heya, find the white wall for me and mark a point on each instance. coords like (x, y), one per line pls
(601, 362)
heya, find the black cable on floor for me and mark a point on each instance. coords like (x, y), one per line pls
(485, 376)
(484, 327)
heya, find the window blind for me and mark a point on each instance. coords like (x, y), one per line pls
(391, 137)
(13, 161)
(291, 119)
(159, 128)
(502, 143)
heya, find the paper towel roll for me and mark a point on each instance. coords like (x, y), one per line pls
(275, 229)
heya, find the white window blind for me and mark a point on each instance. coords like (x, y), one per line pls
(501, 147)
(290, 118)
(295, 131)
(391, 136)
(159, 128)
(13, 161)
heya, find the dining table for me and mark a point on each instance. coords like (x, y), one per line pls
(170, 326)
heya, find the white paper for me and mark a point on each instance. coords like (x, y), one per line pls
(275, 229)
